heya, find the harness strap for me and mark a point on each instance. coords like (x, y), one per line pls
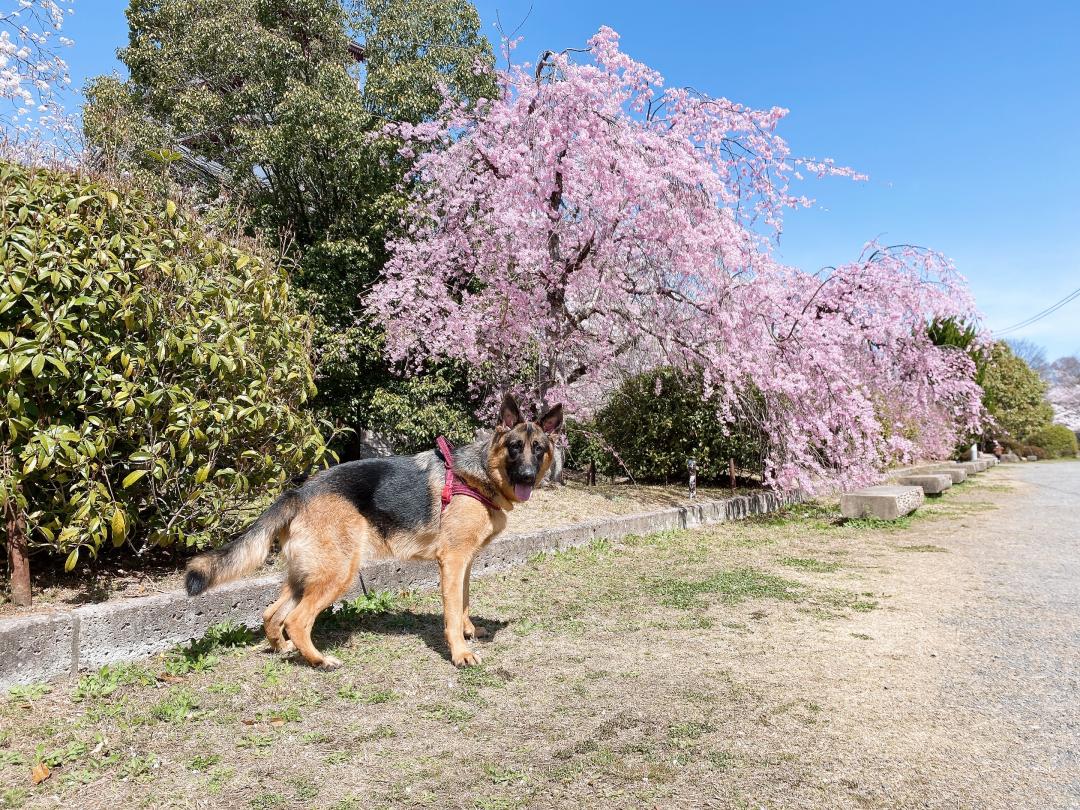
(454, 485)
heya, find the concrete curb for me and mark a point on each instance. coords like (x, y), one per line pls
(49, 645)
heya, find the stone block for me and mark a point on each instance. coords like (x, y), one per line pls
(34, 648)
(1010, 458)
(970, 467)
(930, 483)
(1031, 458)
(956, 473)
(882, 502)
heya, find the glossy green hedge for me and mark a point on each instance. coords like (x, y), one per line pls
(152, 374)
(1057, 440)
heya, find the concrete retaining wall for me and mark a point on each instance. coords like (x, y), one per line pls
(63, 642)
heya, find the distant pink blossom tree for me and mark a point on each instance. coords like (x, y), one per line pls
(591, 223)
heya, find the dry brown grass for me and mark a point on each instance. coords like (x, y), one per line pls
(783, 662)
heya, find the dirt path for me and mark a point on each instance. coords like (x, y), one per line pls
(781, 662)
(1020, 635)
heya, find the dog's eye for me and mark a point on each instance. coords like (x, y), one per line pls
(514, 447)
(537, 448)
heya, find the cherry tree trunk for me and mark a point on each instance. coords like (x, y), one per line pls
(18, 556)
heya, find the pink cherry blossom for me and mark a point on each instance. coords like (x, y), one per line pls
(592, 223)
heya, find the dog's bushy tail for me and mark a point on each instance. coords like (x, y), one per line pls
(247, 552)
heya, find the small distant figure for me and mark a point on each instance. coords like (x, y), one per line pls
(999, 451)
(691, 469)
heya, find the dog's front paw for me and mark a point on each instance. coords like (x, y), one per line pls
(328, 664)
(466, 658)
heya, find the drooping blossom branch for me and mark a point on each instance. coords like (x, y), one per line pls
(591, 223)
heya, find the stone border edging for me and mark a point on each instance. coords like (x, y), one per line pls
(49, 645)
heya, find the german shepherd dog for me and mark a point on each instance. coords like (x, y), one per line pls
(354, 512)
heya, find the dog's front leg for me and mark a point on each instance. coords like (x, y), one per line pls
(453, 570)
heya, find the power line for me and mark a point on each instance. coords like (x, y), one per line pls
(1040, 315)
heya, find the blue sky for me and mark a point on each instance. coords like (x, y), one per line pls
(966, 116)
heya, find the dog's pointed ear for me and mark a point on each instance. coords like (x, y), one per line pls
(509, 414)
(552, 420)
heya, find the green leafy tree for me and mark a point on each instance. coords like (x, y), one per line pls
(271, 107)
(154, 373)
(1014, 394)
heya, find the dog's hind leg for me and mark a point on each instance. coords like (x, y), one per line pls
(319, 593)
(274, 618)
(324, 556)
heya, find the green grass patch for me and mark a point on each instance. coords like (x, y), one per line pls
(350, 612)
(862, 605)
(367, 694)
(451, 714)
(218, 777)
(812, 514)
(810, 564)
(199, 655)
(501, 775)
(28, 692)
(689, 731)
(473, 679)
(177, 706)
(736, 585)
(204, 762)
(877, 524)
(108, 679)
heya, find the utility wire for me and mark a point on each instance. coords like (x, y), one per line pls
(1040, 315)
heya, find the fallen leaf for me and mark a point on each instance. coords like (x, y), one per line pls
(40, 773)
(167, 678)
(277, 722)
(247, 722)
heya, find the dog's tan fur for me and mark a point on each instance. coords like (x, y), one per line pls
(327, 539)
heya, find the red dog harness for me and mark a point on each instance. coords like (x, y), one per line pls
(454, 485)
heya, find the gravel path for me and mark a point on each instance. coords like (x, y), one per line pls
(1021, 631)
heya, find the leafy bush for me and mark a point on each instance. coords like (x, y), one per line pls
(153, 373)
(654, 422)
(1058, 441)
(1014, 394)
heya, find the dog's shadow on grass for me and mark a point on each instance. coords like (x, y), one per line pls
(339, 627)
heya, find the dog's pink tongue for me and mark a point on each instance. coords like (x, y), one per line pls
(522, 491)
